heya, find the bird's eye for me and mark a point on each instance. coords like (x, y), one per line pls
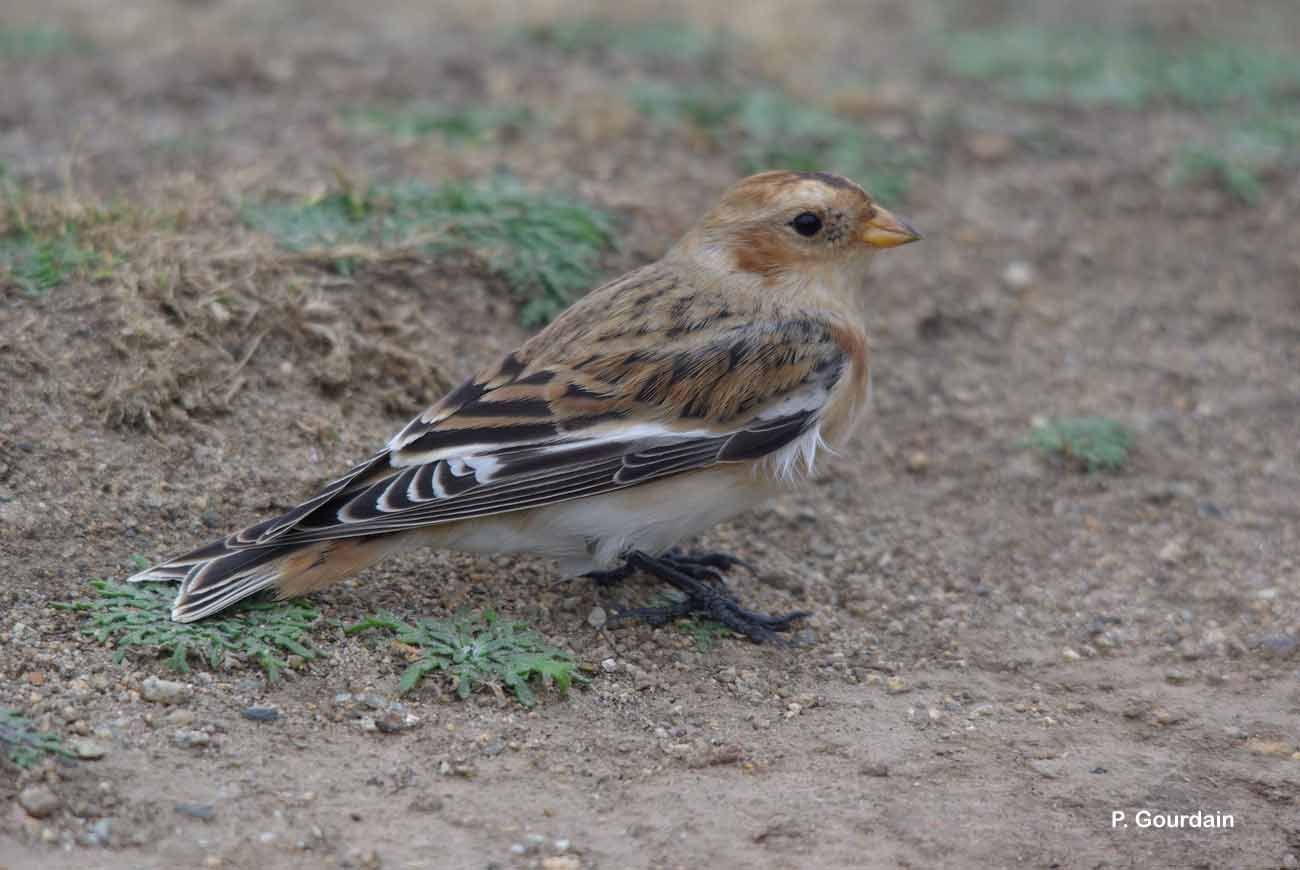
(807, 224)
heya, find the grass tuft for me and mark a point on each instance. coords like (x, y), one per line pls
(768, 130)
(137, 616)
(23, 744)
(478, 651)
(544, 246)
(457, 126)
(1242, 155)
(1094, 443)
(659, 39)
(38, 263)
(1124, 69)
(40, 243)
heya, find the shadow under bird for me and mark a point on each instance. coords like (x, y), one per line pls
(660, 404)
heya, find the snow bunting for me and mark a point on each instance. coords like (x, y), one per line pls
(662, 403)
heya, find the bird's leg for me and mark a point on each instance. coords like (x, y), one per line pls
(713, 601)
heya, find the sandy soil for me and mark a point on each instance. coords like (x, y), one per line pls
(1003, 652)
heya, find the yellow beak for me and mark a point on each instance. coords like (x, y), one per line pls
(886, 230)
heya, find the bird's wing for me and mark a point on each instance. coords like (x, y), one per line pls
(526, 435)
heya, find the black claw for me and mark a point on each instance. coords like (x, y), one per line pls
(704, 566)
(719, 561)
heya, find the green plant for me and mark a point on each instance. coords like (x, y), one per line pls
(462, 125)
(478, 651)
(1119, 68)
(544, 246)
(24, 745)
(1198, 164)
(705, 632)
(1241, 153)
(1096, 443)
(38, 264)
(137, 616)
(663, 38)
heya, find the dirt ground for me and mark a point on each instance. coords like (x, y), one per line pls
(1003, 650)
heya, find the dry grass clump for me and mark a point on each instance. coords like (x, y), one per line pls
(188, 308)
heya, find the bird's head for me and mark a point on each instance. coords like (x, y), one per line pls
(794, 231)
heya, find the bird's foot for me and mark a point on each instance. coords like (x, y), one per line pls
(701, 566)
(610, 578)
(706, 595)
(704, 566)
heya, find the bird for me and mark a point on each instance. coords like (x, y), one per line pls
(658, 405)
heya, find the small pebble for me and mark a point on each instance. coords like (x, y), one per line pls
(1172, 552)
(396, 720)
(88, 750)
(1277, 646)
(896, 685)
(597, 618)
(262, 714)
(791, 583)
(102, 831)
(804, 637)
(180, 718)
(427, 803)
(206, 812)
(1261, 746)
(38, 800)
(187, 738)
(609, 665)
(164, 691)
(561, 862)
(1018, 275)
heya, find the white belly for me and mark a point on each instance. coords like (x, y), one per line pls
(592, 534)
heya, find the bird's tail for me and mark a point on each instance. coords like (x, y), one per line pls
(218, 575)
